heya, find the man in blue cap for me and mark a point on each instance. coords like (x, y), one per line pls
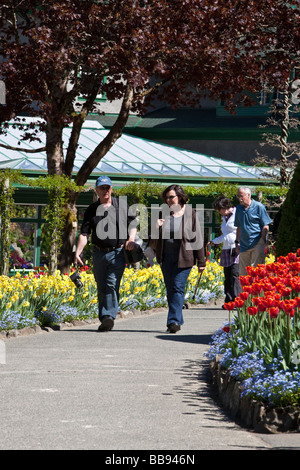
(108, 222)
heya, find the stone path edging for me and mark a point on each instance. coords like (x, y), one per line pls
(251, 412)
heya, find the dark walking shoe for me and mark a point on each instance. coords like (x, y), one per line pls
(173, 328)
(107, 323)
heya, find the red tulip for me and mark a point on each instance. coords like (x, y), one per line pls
(256, 288)
(256, 300)
(226, 329)
(270, 267)
(288, 307)
(229, 305)
(280, 304)
(296, 266)
(246, 280)
(285, 291)
(247, 289)
(274, 296)
(261, 303)
(269, 301)
(267, 287)
(251, 270)
(274, 311)
(297, 302)
(244, 295)
(273, 280)
(295, 285)
(262, 307)
(252, 310)
(84, 268)
(261, 272)
(292, 257)
(239, 302)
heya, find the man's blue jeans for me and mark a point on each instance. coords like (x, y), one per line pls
(175, 280)
(108, 271)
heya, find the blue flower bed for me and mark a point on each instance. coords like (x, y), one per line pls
(14, 320)
(65, 313)
(268, 383)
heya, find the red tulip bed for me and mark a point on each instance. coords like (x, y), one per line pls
(260, 345)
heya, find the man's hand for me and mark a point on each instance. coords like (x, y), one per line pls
(129, 245)
(82, 241)
(78, 259)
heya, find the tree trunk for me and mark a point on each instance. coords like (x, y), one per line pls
(284, 177)
(54, 148)
(53, 255)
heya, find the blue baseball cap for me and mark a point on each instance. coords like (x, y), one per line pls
(103, 180)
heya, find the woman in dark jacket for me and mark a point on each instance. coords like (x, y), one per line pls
(178, 248)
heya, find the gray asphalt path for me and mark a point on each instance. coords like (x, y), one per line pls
(134, 388)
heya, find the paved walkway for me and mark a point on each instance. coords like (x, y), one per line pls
(135, 388)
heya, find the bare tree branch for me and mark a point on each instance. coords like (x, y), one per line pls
(19, 149)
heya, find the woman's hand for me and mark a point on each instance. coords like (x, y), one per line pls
(159, 222)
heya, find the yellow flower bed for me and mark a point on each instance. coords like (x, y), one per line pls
(44, 299)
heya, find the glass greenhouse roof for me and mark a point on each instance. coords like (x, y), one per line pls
(130, 156)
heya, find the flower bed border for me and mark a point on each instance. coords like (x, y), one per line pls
(252, 413)
(30, 330)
